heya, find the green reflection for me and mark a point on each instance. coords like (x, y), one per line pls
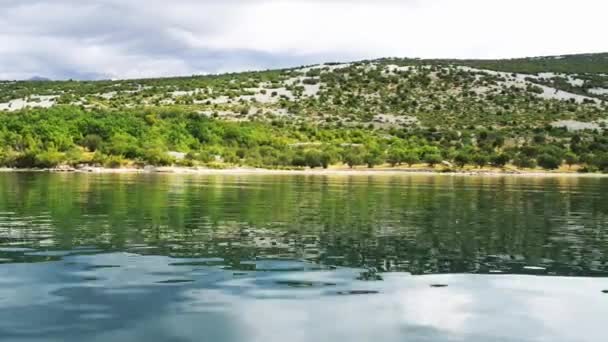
(416, 223)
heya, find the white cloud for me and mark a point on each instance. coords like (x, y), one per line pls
(136, 38)
(440, 28)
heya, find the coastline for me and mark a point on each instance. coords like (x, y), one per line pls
(313, 172)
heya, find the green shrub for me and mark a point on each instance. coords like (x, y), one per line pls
(571, 159)
(462, 158)
(353, 157)
(432, 159)
(499, 159)
(49, 159)
(548, 161)
(114, 162)
(410, 158)
(524, 161)
(156, 156)
(92, 142)
(481, 159)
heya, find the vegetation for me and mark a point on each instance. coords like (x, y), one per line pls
(386, 112)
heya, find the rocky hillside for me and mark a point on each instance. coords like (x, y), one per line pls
(520, 98)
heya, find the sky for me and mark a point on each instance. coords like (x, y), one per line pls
(101, 39)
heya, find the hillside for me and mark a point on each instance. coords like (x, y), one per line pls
(524, 112)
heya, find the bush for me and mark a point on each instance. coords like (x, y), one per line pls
(7, 158)
(313, 158)
(353, 157)
(394, 156)
(74, 156)
(99, 158)
(328, 158)
(48, 159)
(432, 159)
(184, 163)
(548, 161)
(114, 162)
(25, 160)
(156, 156)
(571, 159)
(462, 158)
(298, 160)
(373, 157)
(601, 162)
(230, 157)
(588, 169)
(481, 159)
(499, 160)
(92, 142)
(410, 158)
(523, 161)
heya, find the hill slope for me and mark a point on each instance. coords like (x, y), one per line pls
(544, 110)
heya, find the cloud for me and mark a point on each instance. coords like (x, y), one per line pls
(145, 38)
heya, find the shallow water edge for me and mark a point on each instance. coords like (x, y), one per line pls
(312, 172)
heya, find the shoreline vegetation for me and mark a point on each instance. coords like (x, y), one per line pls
(402, 115)
(69, 139)
(330, 171)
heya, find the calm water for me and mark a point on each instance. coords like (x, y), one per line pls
(302, 258)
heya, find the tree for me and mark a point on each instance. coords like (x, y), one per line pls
(313, 158)
(499, 159)
(432, 159)
(539, 139)
(410, 158)
(548, 161)
(157, 156)
(353, 157)
(601, 161)
(481, 159)
(571, 159)
(123, 144)
(462, 158)
(49, 159)
(522, 160)
(74, 156)
(230, 156)
(92, 142)
(328, 157)
(394, 156)
(373, 157)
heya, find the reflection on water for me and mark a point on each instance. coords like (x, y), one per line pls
(302, 258)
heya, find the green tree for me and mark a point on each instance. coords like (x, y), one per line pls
(524, 161)
(74, 156)
(395, 156)
(157, 156)
(410, 158)
(548, 161)
(328, 157)
(601, 161)
(373, 157)
(481, 159)
(353, 157)
(92, 142)
(571, 159)
(432, 159)
(313, 158)
(462, 158)
(499, 159)
(123, 144)
(48, 159)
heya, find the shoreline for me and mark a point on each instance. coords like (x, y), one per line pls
(310, 172)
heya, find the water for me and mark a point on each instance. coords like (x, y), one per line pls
(302, 258)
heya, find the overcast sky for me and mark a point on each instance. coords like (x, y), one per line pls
(91, 39)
